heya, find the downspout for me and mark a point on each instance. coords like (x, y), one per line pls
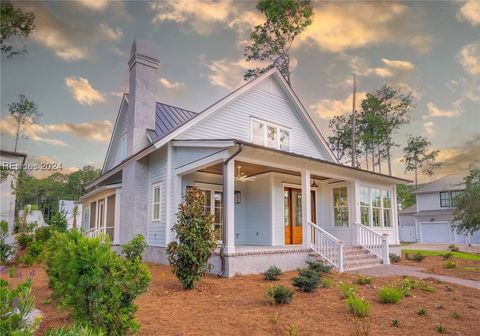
(224, 237)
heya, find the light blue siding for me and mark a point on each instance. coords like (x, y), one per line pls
(258, 224)
(158, 174)
(233, 121)
(114, 154)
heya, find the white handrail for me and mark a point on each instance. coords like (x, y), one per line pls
(327, 246)
(373, 241)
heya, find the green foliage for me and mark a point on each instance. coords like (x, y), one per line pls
(14, 23)
(278, 295)
(453, 248)
(34, 252)
(418, 158)
(307, 280)
(319, 267)
(405, 195)
(12, 272)
(458, 255)
(346, 289)
(364, 280)
(394, 258)
(466, 216)
(447, 255)
(326, 282)
(97, 285)
(6, 250)
(196, 240)
(135, 248)
(272, 274)
(390, 295)
(75, 330)
(455, 315)
(440, 329)
(59, 221)
(418, 257)
(450, 264)
(16, 305)
(271, 41)
(395, 323)
(421, 311)
(25, 113)
(23, 240)
(358, 306)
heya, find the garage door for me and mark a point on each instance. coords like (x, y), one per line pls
(435, 232)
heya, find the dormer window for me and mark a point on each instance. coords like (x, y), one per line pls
(270, 135)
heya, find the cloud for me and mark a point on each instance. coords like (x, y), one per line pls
(393, 68)
(40, 174)
(95, 130)
(429, 127)
(338, 27)
(434, 111)
(399, 65)
(98, 5)
(329, 108)
(35, 132)
(468, 88)
(83, 92)
(460, 158)
(470, 12)
(201, 16)
(469, 58)
(110, 33)
(243, 24)
(174, 86)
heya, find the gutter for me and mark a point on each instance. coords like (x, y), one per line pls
(224, 236)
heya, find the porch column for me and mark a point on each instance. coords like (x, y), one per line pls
(229, 206)
(355, 212)
(306, 207)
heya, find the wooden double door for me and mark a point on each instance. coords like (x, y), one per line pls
(292, 207)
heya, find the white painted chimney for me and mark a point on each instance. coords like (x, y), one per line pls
(143, 67)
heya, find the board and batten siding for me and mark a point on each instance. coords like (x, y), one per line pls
(114, 155)
(158, 175)
(233, 120)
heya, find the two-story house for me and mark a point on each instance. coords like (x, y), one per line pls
(277, 192)
(429, 220)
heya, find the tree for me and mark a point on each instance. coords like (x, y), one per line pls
(196, 240)
(272, 40)
(75, 213)
(341, 140)
(405, 196)
(466, 216)
(14, 23)
(417, 157)
(25, 113)
(77, 181)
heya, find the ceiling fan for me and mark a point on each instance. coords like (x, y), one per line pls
(242, 177)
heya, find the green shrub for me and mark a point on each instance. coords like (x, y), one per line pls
(16, 306)
(23, 240)
(12, 272)
(42, 234)
(450, 264)
(196, 240)
(135, 248)
(6, 250)
(35, 250)
(319, 267)
(326, 282)
(418, 257)
(279, 295)
(421, 311)
(394, 258)
(390, 295)
(395, 323)
(447, 255)
(58, 221)
(453, 248)
(347, 289)
(28, 260)
(93, 281)
(358, 306)
(441, 329)
(75, 330)
(272, 274)
(364, 280)
(307, 280)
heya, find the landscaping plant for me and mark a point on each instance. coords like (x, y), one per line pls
(189, 254)
(364, 280)
(307, 280)
(135, 248)
(96, 284)
(272, 274)
(421, 311)
(358, 306)
(394, 258)
(75, 330)
(58, 221)
(319, 267)
(450, 264)
(347, 289)
(6, 250)
(395, 323)
(418, 257)
(279, 295)
(441, 329)
(453, 248)
(447, 255)
(326, 282)
(390, 295)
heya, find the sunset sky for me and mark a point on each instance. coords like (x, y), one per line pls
(76, 67)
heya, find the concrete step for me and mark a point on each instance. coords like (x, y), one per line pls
(361, 263)
(363, 257)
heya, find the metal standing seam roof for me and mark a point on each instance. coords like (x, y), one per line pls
(168, 118)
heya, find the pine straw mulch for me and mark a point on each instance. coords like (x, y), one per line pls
(237, 307)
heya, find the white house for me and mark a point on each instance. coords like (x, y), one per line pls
(278, 194)
(429, 221)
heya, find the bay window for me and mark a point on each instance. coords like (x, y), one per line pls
(270, 135)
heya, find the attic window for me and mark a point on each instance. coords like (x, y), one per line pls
(270, 135)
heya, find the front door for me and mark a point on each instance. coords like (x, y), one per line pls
(292, 200)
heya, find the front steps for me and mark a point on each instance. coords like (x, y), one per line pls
(354, 257)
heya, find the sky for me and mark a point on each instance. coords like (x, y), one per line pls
(76, 68)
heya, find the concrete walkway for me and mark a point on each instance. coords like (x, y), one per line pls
(388, 270)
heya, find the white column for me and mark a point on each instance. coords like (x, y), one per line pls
(306, 207)
(177, 199)
(118, 206)
(229, 206)
(168, 195)
(355, 211)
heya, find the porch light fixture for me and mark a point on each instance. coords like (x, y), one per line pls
(238, 197)
(314, 185)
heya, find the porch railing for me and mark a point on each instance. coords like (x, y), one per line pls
(372, 241)
(327, 246)
(95, 232)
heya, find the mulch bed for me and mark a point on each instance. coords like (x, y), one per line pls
(237, 307)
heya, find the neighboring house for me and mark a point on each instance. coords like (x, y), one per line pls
(33, 217)
(67, 207)
(429, 221)
(277, 192)
(7, 197)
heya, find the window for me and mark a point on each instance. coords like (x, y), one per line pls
(455, 194)
(214, 205)
(387, 208)
(447, 198)
(156, 202)
(365, 206)
(86, 218)
(270, 135)
(376, 207)
(123, 147)
(93, 214)
(340, 206)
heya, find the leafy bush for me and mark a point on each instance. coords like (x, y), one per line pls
(450, 264)
(364, 280)
(135, 248)
(6, 250)
(307, 280)
(390, 295)
(447, 255)
(23, 240)
(326, 282)
(319, 267)
(347, 289)
(441, 329)
(58, 221)
(272, 274)
(421, 311)
(394, 258)
(34, 251)
(12, 272)
(93, 281)
(75, 330)
(42, 234)
(279, 295)
(453, 248)
(16, 306)
(418, 257)
(196, 240)
(358, 306)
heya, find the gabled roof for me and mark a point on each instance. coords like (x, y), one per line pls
(409, 210)
(446, 183)
(168, 118)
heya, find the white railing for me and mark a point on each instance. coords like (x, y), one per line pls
(95, 232)
(327, 246)
(372, 241)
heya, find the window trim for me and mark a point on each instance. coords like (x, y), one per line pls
(347, 206)
(382, 208)
(450, 198)
(155, 186)
(278, 128)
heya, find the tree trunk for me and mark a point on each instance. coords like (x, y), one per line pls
(17, 135)
(379, 161)
(416, 182)
(373, 158)
(366, 158)
(389, 161)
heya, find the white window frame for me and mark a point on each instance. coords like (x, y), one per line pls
(213, 188)
(382, 208)
(158, 203)
(278, 129)
(347, 206)
(86, 218)
(123, 147)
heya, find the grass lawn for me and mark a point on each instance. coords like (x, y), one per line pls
(458, 255)
(237, 306)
